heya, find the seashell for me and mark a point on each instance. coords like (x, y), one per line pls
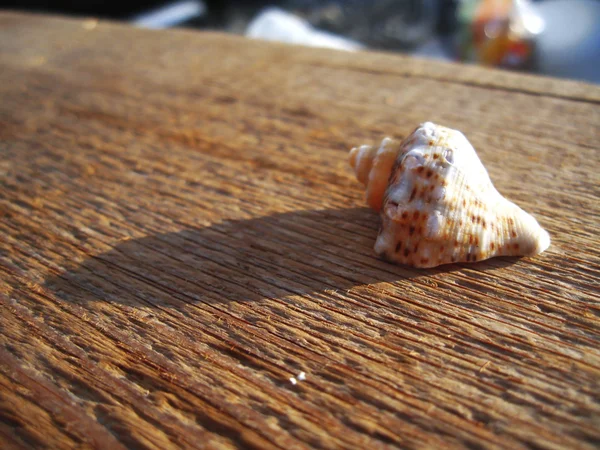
(438, 204)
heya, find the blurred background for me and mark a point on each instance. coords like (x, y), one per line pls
(552, 37)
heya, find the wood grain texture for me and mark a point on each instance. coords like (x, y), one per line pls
(181, 233)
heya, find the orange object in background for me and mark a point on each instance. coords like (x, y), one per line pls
(490, 30)
(498, 32)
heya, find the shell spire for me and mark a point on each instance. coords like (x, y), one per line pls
(438, 204)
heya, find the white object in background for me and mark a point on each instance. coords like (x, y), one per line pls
(170, 15)
(525, 20)
(274, 24)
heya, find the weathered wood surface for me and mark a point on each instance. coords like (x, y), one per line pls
(181, 233)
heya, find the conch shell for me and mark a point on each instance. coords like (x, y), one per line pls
(438, 204)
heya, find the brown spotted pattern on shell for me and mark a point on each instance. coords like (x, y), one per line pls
(438, 204)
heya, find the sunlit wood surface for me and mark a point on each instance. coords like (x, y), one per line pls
(181, 233)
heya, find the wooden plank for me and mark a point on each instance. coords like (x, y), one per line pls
(181, 234)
